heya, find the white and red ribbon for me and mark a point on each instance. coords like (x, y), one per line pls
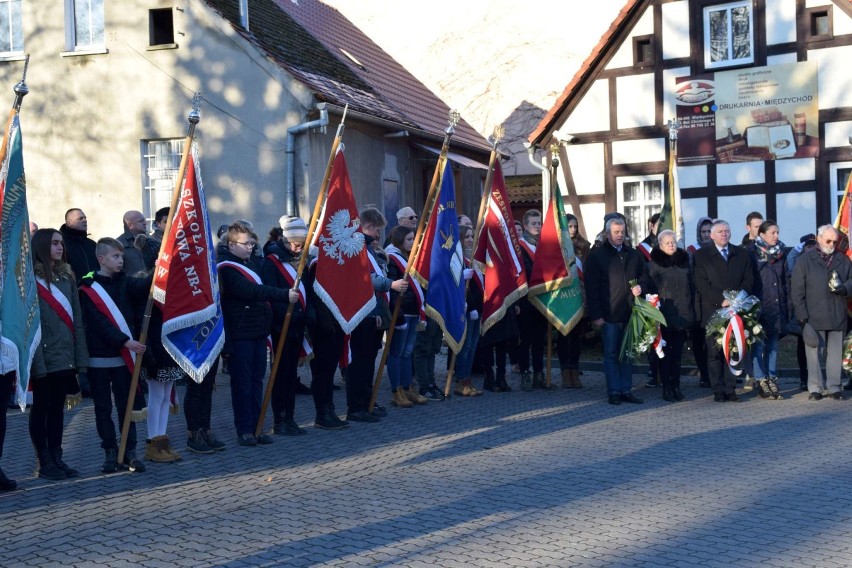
(734, 331)
(659, 342)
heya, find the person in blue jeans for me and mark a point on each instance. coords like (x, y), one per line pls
(401, 239)
(613, 272)
(465, 356)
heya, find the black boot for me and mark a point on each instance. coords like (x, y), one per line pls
(327, 419)
(668, 394)
(489, 383)
(57, 459)
(502, 385)
(110, 461)
(47, 468)
(678, 396)
(287, 427)
(7, 484)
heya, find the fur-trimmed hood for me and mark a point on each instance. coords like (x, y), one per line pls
(61, 271)
(679, 259)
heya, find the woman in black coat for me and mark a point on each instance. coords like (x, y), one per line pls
(672, 279)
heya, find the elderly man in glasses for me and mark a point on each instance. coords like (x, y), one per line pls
(822, 279)
(407, 217)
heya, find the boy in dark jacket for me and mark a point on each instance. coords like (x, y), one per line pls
(109, 299)
(248, 322)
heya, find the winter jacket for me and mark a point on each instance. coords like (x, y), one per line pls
(774, 293)
(271, 276)
(134, 263)
(79, 251)
(713, 276)
(246, 304)
(103, 338)
(60, 349)
(672, 280)
(812, 301)
(410, 305)
(381, 284)
(608, 273)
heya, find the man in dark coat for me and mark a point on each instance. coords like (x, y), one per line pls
(134, 225)
(610, 269)
(822, 279)
(79, 248)
(720, 266)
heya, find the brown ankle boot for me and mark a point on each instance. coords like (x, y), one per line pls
(400, 399)
(575, 379)
(567, 379)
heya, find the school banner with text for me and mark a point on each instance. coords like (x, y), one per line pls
(748, 115)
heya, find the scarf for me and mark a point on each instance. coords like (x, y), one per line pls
(766, 253)
(826, 258)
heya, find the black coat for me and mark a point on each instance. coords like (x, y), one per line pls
(130, 294)
(672, 280)
(774, 296)
(608, 273)
(271, 276)
(246, 304)
(812, 300)
(713, 276)
(79, 252)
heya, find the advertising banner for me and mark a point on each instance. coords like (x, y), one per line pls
(747, 115)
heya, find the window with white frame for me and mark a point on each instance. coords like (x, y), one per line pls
(84, 25)
(639, 198)
(728, 34)
(11, 27)
(839, 174)
(161, 160)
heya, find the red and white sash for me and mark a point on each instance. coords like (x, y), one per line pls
(376, 269)
(579, 268)
(645, 249)
(693, 247)
(57, 301)
(251, 275)
(735, 333)
(105, 304)
(395, 256)
(289, 274)
(528, 247)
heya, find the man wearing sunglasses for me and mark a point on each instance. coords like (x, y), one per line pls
(407, 217)
(822, 279)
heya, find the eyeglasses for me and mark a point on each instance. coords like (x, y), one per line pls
(829, 242)
(412, 217)
(247, 243)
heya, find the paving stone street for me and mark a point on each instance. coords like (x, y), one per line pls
(558, 478)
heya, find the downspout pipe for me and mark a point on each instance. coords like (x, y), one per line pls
(290, 191)
(545, 178)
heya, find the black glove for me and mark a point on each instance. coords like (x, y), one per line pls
(840, 291)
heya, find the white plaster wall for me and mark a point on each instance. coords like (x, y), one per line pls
(593, 214)
(85, 116)
(737, 174)
(587, 168)
(693, 210)
(734, 210)
(675, 30)
(796, 215)
(781, 59)
(842, 22)
(835, 81)
(801, 169)
(592, 113)
(639, 151)
(780, 21)
(837, 134)
(669, 82)
(692, 176)
(624, 55)
(636, 102)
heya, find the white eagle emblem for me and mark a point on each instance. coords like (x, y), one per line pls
(344, 239)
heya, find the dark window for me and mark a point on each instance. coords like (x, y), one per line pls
(643, 51)
(819, 22)
(161, 28)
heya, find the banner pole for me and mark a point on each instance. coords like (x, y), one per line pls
(483, 201)
(303, 258)
(193, 118)
(415, 249)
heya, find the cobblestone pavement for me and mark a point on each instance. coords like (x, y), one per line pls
(558, 478)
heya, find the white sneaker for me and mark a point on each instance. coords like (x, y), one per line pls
(749, 384)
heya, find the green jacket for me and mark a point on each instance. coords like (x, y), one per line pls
(59, 349)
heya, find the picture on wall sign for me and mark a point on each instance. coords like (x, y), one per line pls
(747, 115)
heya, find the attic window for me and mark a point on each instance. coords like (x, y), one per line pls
(353, 59)
(819, 22)
(643, 51)
(161, 28)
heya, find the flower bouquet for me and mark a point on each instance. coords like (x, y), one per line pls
(643, 328)
(736, 328)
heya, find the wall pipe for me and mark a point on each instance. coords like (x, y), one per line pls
(290, 190)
